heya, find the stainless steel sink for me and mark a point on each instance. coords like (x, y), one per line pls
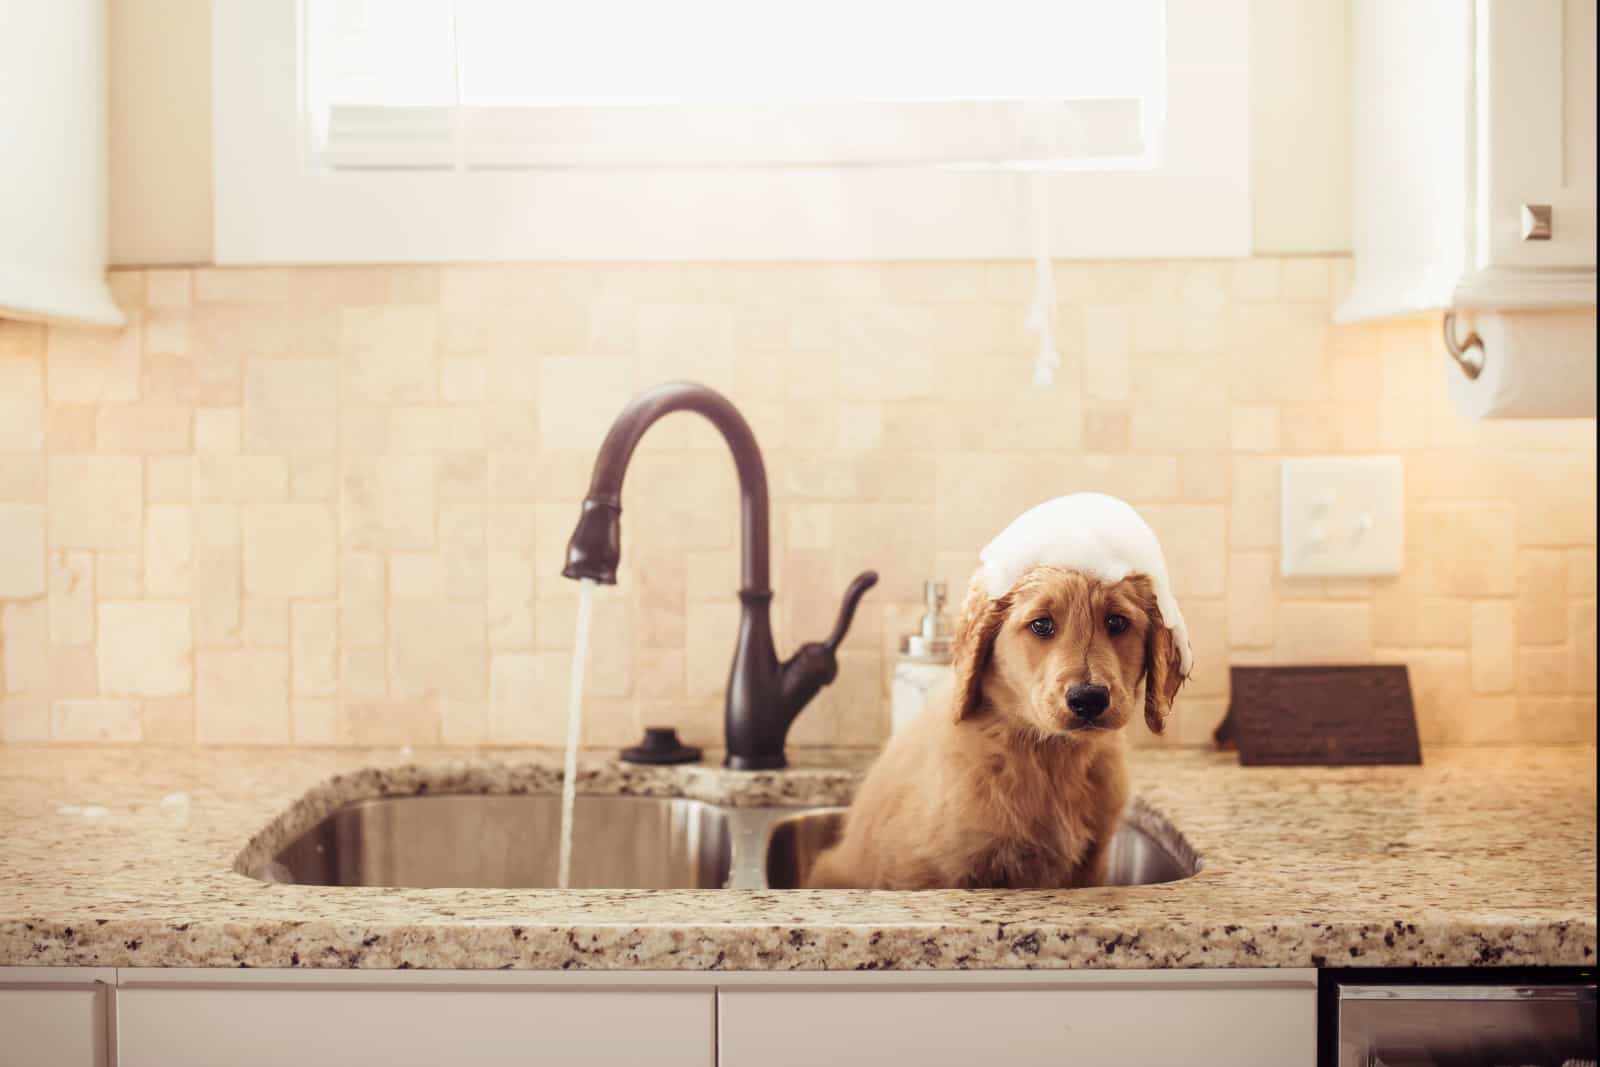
(1144, 851)
(497, 841)
(508, 842)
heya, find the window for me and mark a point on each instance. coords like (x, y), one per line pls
(419, 130)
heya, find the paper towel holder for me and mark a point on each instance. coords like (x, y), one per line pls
(1467, 352)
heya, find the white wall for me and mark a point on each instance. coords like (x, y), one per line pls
(161, 128)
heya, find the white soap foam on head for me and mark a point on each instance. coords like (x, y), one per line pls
(1089, 532)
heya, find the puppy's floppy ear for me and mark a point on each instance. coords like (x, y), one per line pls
(1162, 672)
(976, 629)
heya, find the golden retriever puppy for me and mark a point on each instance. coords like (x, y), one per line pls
(1020, 784)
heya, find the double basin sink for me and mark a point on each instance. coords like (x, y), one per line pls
(500, 841)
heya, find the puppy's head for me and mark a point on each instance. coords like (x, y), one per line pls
(1063, 654)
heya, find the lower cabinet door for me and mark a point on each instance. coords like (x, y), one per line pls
(53, 1027)
(255, 1027)
(1196, 1027)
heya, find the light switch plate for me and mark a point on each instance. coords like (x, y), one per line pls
(1342, 517)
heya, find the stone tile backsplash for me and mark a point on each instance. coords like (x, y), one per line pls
(328, 505)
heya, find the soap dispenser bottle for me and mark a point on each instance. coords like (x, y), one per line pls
(922, 673)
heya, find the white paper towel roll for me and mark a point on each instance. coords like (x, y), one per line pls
(1536, 364)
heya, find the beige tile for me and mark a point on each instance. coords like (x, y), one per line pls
(714, 625)
(168, 289)
(314, 648)
(437, 648)
(22, 558)
(364, 673)
(169, 479)
(520, 708)
(1207, 621)
(389, 354)
(1204, 476)
(236, 286)
(1194, 541)
(72, 607)
(1541, 670)
(242, 697)
(1255, 428)
(96, 501)
(289, 549)
(509, 601)
(21, 405)
(1469, 549)
(166, 333)
(214, 595)
(168, 720)
(461, 380)
(314, 721)
(464, 722)
(22, 479)
(167, 552)
(1254, 520)
(1494, 646)
(1581, 647)
(1581, 571)
(1252, 599)
(431, 430)
(1179, 407)
(1315, 634)
(1255, 281)
(314, 477)
(389, 503)
(116, 721)
(579, 396)
(24, 720)
(389, 723)
(119, 576)
(266, 622)
(25, 647)
(144, 649)
(93, 365)
(1304, 279)
(886, 352)
(1107, 343)
(240, 478)
(291, 406)
(69, 428)
(1541, 596)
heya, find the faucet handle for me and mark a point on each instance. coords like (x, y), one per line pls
(847, 611)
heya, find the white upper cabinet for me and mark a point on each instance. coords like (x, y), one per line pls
(1472, 122)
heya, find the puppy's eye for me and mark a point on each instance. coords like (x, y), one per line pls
(1116, 624)
(1043, 626)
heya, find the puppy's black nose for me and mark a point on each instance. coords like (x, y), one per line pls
(1088, 701)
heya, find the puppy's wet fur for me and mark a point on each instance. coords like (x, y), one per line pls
(1008, 788)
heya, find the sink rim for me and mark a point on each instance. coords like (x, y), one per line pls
(747, 826)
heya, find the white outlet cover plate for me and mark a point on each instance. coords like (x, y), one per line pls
(1342, 517)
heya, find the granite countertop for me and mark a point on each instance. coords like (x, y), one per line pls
(1481, 857)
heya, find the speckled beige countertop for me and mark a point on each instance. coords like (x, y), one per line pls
(1482, 856)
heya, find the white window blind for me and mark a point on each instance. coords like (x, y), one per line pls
(492, 84)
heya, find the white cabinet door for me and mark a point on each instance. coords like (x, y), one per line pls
(53, 1026)
(1084, 1027)
(1535, 110)
(398, 1027)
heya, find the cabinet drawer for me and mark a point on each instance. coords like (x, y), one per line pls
(53, 1027)
(268, 1027)
(1086, 1027)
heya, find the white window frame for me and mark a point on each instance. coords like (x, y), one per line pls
(271, 206)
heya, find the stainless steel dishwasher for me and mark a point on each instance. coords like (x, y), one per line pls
(1457, 1017)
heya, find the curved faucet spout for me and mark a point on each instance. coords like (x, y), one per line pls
(596, 547)
(764, 696)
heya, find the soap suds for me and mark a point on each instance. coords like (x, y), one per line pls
(1089, 532)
